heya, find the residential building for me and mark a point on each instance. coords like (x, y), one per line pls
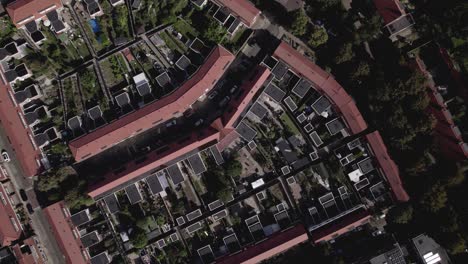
(428, 251)
(243, 9)
(157, 112)
(397, 22)
(66, 234)
(272, 246)
(10, 226)
(24, 13)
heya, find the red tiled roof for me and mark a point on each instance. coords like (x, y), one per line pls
(247, 11)
(62, 228)
(156, 112)
(389, 10)
(8, 232)
(33, 257)
(249, 90)
(154, 159)
(23, 9)
(341, 226)
(19, 136)
(325, 82)
(274, 245)
(388, 166)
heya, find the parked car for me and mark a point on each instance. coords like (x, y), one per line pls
(5, 156)
(234, 89)
(212, 95)
(224, 102)
(199, 122)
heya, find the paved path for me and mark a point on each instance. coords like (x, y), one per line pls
(39, 222)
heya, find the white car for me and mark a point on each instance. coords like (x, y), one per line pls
(199, 122)
(5, 156)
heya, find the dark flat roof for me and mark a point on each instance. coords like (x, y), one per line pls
(335, 126)
(290, 103)
(154, 184)
(175, 174)
(197, 164)
(100, 259)
(301, 88)
(366, 165)
(321, 105)
(133, 194)
(274, 92)
(144, 89)
(246, 131)
(183, 62)
(217, 155)
(112, 203)
(122, 99)
(258, 110)
(90, 239)
(163, 79)
(80, 218)
(280, 70)
(194, 227)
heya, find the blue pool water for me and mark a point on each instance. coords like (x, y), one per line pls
(94, 25)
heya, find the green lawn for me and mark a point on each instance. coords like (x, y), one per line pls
(185, 29)
(289, 124)
(172, 43)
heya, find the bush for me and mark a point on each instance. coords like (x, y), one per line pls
(138, 238)
(401, 214)
(299, 25)
(318, 37)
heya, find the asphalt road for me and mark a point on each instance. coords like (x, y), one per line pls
(38, 219)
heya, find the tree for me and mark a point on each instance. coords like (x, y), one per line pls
(145, 223)
(54, 178)
(224, 194)
(138, 238)
(369, 29)
(345, 53)
(362, 70)
(435, 198)
(401, 214)
(214, 32)
(318, 37)
(299, 24)
(233, 168)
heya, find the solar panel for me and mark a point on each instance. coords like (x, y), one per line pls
(143, 89)
(183, 62)
(133, 194)
(154, 184)
(197, 164)
(246, 131)
(112, 203)
(176, 174)
(301, 88)
(258, 110)
(122, 99)
(274, 92)
(95, 112)
(163, 79)
(290, 103)
(217, 155)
